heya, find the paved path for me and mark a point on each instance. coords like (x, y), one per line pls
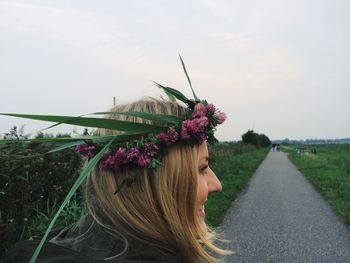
(281, 218)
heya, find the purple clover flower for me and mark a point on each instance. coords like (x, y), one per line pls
(199, 110)
(108, 162)
(219, 117)
(120, 156)
(202, 123)
(86, 150)
(150, 150)
(194, 128)
(200, 137)
(169, 137)
(143, 161)
(133, 155)
(211, 108)
(189, 127)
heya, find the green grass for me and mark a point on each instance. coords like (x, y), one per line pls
(329, 172)
(234, 167)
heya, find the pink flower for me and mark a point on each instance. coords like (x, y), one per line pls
(189, 127)
(194, 128)
(108, 162)
(199, 110)
(200, 137)
(86, 150)
(211, 108)
(202, 123)
(219, 117)
(133, 155)
(185, 134)
(120, 156)
(143, 162)
(150, 150)
(169, 137)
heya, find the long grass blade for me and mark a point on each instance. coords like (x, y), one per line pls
(74, 188)
(94, 122)
(145, 115)
(177, 94)
(65, 146)
(188, 78)
(39, 140)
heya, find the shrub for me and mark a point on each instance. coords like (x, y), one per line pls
(30, 181)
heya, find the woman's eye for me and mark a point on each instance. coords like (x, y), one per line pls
(204, 168)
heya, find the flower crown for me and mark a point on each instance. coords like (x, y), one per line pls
(139, 146)
(147, 152)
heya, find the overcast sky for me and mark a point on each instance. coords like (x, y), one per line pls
(280, 67)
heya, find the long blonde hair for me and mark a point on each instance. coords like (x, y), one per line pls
(163, 214)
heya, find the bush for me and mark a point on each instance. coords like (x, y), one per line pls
(259, 140)
(30, 181)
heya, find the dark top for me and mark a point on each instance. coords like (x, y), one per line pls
(92, 248)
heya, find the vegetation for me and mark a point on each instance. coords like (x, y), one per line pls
(329, 171)
(33, 184)
(258, 140)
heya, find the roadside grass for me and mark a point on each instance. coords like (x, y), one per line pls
(234, 164)
(329, 172)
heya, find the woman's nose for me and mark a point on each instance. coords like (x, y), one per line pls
(214, 184)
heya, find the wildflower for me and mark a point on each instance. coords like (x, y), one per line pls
(219, 117)
(120, 156)
(133, 155)
(202, 122)
(150, 150)
(211, 108)
(86, 150)
(143, 161)
(199, 110)
(169, 137)
(108, 162)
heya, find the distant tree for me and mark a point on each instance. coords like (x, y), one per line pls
(250, 137)
(263, 140)
(258, 140)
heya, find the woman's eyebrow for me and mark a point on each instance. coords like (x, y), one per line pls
(206, 158)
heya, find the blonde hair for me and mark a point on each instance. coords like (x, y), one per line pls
(161, 210)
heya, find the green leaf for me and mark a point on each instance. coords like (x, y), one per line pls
(58, 140)
(171, 97)
(74, 188)
(147, 116)
(177, 94)
(94, 122)
(188, 78)
(65, 146)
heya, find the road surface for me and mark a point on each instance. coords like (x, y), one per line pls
(281, 218)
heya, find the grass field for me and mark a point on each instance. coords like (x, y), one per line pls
(329, 171)
(234, 166)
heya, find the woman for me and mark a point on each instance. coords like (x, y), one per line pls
(138, 209)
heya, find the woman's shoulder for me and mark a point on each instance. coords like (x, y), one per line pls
(53, 253)
(85, 252)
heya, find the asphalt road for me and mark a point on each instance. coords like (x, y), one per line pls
(281, 218)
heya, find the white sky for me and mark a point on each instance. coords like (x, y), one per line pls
(281, 67)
